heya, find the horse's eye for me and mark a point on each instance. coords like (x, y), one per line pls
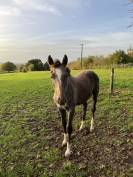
(53, 76)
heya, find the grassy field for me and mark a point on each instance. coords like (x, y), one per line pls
(31, 131)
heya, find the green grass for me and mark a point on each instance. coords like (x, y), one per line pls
(31, 131)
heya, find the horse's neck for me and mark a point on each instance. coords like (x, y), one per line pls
(70, 91)
(71, 81)
(69, 85)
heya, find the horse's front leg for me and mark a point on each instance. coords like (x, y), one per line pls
(69, 131)
(64, 123)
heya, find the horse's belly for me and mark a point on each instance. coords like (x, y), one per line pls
(81, 99)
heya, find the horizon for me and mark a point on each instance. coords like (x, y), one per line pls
(36, 28)
(72, 60)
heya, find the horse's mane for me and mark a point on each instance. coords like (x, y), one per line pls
(57, 64)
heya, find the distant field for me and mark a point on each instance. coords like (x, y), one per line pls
(31, 131)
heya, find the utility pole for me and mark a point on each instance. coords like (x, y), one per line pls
(82, 46)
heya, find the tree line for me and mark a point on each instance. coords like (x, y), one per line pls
(31, 65)
(117, 58)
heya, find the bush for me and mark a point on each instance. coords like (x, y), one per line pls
(75, 65)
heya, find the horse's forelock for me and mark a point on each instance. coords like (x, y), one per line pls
(57, 63)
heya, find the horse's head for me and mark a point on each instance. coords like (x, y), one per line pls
(59, 74)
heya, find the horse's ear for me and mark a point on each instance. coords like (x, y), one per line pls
(65, 60)
(50, 60)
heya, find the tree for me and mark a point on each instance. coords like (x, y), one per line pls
(119, 57)
(8, 66)
(46, 66)
(38, 65)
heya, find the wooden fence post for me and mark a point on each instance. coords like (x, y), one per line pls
(112, 81)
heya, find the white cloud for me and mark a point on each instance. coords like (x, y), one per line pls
(38, 6)
(110, 39)
(71, 3)
(10, 11)
(40, 47)
(25, 32)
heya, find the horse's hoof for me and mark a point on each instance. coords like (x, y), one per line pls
(68, 153)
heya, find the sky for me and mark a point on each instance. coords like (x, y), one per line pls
(36, 28)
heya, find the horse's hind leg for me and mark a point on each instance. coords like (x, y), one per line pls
(83, 117)
(93, 112)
